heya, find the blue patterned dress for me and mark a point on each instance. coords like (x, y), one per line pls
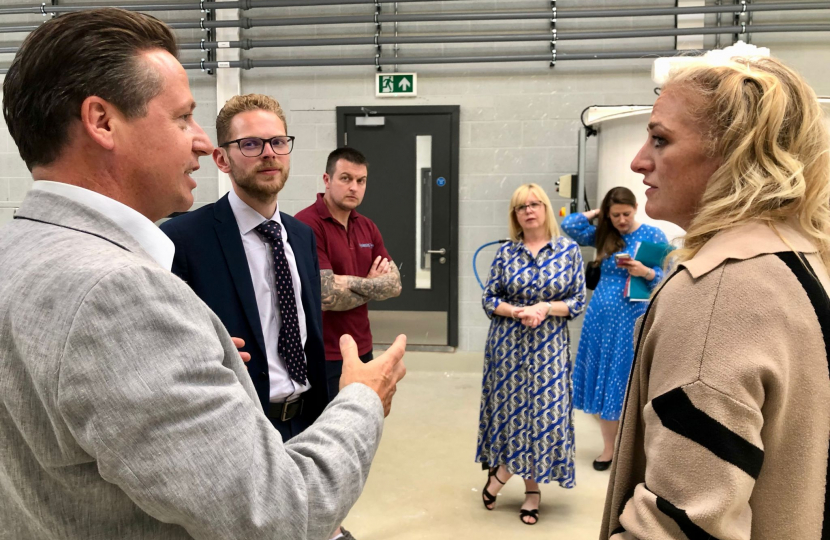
(606, 345)
(526, 419)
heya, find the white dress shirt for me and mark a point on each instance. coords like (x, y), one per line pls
(258, 251)
(144, 231)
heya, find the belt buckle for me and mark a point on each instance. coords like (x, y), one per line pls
(284, 415)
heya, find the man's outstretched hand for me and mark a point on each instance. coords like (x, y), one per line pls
(381, 374)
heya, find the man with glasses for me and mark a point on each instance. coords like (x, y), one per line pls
(256, 267)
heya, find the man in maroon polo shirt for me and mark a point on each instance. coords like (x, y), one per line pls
(354, 265)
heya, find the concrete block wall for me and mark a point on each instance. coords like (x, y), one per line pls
(519, 121)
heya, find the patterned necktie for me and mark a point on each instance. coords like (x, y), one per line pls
(290, 344)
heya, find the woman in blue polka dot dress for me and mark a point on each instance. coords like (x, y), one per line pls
(606, 346)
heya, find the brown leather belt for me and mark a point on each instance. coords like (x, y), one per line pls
(285, 411)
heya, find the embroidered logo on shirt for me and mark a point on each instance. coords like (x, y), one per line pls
(366, 245)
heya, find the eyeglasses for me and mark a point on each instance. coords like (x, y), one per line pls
(254, 146)
(523, 208)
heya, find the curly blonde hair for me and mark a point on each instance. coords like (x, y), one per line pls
(519, 197)
(766, 127)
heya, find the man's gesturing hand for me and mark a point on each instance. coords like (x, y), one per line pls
(381, 374)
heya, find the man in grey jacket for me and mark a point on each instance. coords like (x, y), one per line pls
(126, 410)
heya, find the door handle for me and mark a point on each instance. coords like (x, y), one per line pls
(441, 251)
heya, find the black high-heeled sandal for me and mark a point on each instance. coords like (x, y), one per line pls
(486, 497)
(530, 513)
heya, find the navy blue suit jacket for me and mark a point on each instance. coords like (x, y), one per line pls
(210, 257)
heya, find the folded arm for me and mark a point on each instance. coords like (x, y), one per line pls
(342, 293)
(336, 294)
(377, 288)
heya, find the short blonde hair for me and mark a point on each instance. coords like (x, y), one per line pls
(520, 197)
(240, 104)
(766, 127)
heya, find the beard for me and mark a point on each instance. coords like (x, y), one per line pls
(261, 191)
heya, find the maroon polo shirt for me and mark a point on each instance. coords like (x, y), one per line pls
(346, 252)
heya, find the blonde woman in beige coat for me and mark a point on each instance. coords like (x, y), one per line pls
(725, 429)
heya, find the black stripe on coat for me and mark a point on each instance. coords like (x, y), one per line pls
(821, 304)
(682, 519)
(678, 414)
(628, 496)
(815, 292)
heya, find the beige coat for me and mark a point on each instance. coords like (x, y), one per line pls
(726, 424)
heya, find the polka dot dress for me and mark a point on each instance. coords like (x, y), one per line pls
(606, 345)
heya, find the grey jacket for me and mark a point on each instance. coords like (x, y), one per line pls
(126, 412)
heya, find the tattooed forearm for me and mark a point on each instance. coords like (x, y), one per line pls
(336, 294)
(377, 288)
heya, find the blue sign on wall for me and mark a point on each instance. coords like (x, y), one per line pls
(441, 181)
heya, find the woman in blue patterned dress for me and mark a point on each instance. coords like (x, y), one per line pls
(535, 286)
(606, 345)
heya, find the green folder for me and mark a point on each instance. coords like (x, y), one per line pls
(651, 254)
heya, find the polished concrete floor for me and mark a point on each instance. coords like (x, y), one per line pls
(424, 483)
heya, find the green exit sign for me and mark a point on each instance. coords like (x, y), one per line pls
(396, 84)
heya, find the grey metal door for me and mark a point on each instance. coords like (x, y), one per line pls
(412, 196)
